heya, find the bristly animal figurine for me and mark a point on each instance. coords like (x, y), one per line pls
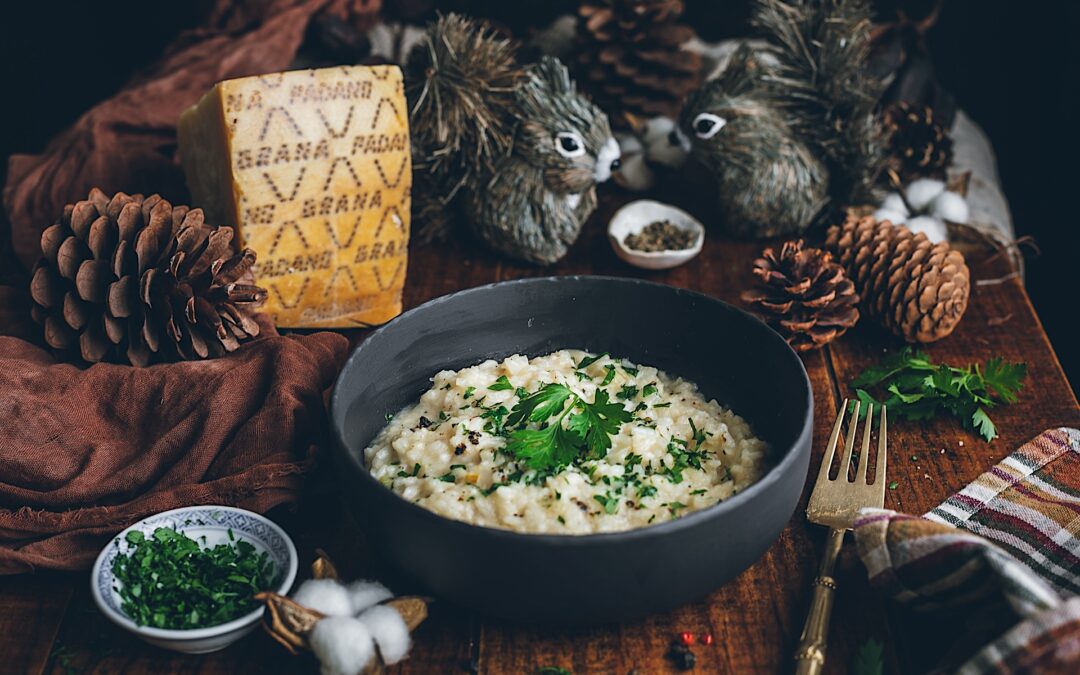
(789, 132)
(517, 148)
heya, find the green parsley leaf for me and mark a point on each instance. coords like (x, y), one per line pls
(589, 360)
(469, 391)
(610, 375)
(869, 659)
(648, 390)
(609, 502)
(550, 448)
(981, 421)
(541, 405)
(597, 422)
(501, 384)
(628, 392)
(1004, 378)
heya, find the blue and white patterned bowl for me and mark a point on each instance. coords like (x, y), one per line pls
(213, 523)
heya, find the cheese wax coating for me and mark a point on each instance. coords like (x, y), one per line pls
(313, 169)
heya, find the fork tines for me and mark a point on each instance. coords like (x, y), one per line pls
(835, 502)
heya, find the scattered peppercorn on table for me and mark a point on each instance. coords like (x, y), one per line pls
(48, 623)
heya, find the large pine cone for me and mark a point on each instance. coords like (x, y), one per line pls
(916, 289)
(919, 144)
(804, 295)
(138, 280)
(630, 57)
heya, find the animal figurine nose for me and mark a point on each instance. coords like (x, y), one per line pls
(607, 160)
(678, 139)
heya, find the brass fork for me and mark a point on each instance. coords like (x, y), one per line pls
(835, 503)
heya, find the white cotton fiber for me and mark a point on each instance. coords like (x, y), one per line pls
(933, 228)
(389, 630)
(894, 202)
(364, 594)
(894, 217)
(342, 644)
(950, 206)
(324, 595)
(921, 192)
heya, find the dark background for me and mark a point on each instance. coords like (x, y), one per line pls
(1013, 66)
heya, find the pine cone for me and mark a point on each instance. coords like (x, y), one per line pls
(804, 295)
(919, 144)
(916, 289)
(138, 280)
(630, 57)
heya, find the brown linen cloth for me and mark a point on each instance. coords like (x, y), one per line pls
(85, 452)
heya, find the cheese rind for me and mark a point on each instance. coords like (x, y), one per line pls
(313, 169)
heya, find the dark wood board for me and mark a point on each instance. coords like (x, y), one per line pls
(49, 624)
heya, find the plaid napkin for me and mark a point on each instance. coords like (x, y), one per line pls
(1004, 551)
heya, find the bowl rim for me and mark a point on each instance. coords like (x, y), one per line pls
(696, 226)
(186, 634)
(690, 520)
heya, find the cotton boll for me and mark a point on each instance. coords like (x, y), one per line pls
(364, 594)
(342, 644)
(950, 206)
(326, 596)
(921, 192)
(389, 630)
(894, 202)
(933, 228)
(894, 217)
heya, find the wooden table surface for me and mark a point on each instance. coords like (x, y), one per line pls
(48, 622)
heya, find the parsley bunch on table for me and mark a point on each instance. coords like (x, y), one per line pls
(914, 388)
(553, 444)
(169, 581)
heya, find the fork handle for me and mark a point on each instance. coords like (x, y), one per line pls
(810, 656)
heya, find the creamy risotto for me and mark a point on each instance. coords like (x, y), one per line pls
(568, 443)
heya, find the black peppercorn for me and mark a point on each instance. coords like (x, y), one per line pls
(682, 656)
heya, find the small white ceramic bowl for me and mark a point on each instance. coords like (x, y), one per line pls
(636, 216)
(214, 523)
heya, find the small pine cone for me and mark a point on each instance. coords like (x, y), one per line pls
(631, 57)
(136, 280)
(919, 143)
(804, 295)
(916, 289)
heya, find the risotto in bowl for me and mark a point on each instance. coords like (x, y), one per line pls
(572, 449)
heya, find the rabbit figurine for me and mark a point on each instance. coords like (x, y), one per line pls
(518, 147)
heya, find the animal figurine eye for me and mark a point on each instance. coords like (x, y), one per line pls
(569, 144)
(706, 125)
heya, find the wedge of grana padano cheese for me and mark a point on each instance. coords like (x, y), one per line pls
(312, 168)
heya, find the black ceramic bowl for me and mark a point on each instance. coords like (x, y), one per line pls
(733, 358)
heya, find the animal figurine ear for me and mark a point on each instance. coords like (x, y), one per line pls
(556, 76)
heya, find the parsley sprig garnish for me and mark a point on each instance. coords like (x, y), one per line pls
(553, 445)
(917, 389)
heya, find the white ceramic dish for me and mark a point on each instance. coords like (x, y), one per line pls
(636, 216)
(214, 523)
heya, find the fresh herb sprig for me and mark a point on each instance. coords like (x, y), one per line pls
(553, 445)
(169, 581)
(915, 388)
